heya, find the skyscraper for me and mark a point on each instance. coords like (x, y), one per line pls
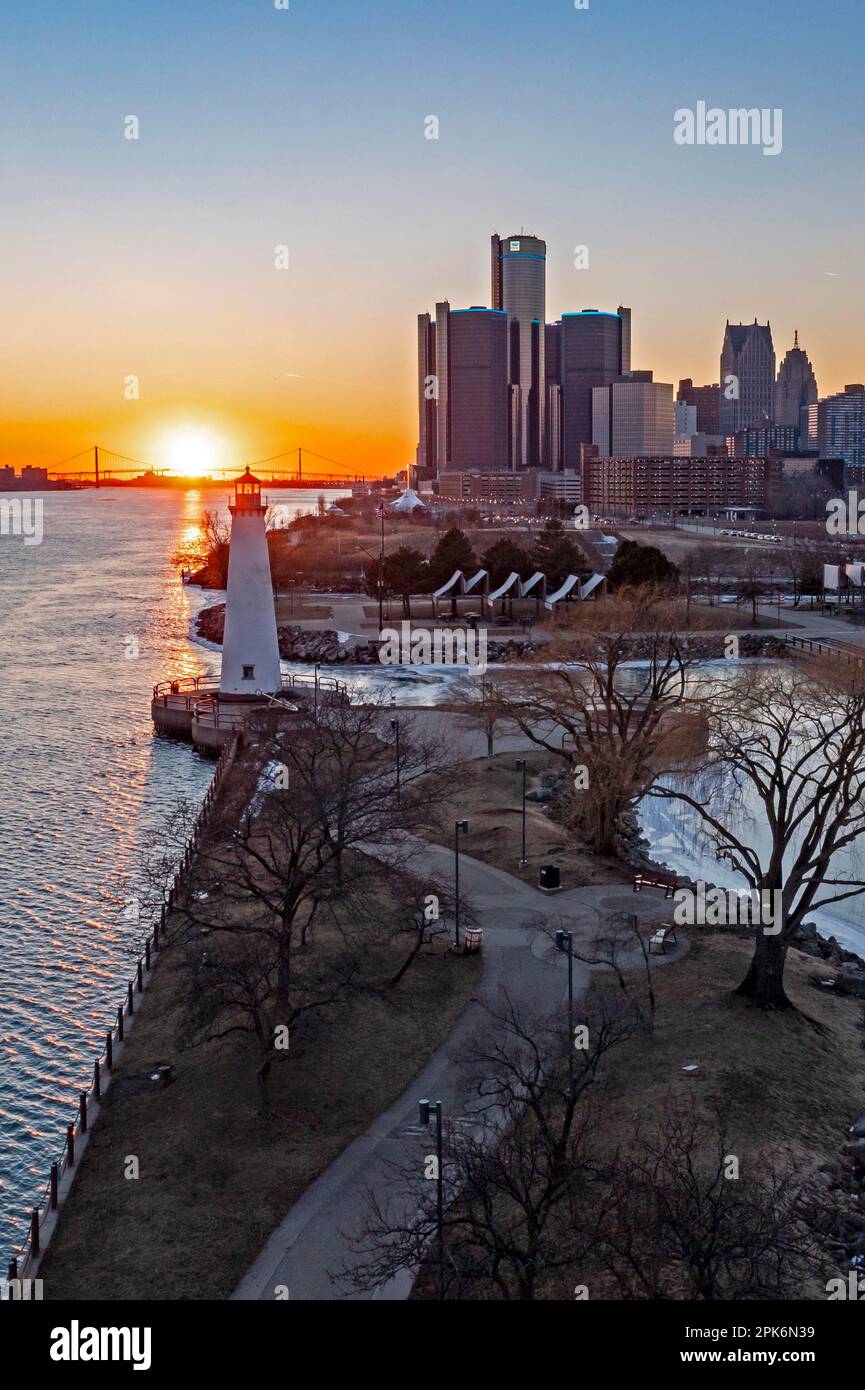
(589, 354)
(427, 389)
(478, 352)
(796, 387)
(518, 286)
(747, 377)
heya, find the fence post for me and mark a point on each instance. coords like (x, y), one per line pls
(147, 953)
(54, 1186)
(70, 1145)
(97, 1080)
(34, 1231)
(130, 1005)
(120, 1024)
(13, 1274)
(140, 978)
(82, 1113)
(109, 1051)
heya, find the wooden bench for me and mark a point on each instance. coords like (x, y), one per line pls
(656, 878)
(658, 940)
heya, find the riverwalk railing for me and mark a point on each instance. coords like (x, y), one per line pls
(813, 647)
(24, 1260)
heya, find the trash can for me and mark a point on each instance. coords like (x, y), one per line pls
(549, 878)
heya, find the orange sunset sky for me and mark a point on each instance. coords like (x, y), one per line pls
(305, 128)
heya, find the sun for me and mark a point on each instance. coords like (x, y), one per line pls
(193, 452)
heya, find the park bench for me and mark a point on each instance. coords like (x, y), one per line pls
(658, 940)
(655, 878)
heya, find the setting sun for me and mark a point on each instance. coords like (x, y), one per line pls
(192, 452)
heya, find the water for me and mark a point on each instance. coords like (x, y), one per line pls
(82, 778)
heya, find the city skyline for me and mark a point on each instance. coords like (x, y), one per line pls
(155, 258)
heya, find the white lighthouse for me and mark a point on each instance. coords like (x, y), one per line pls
(250, 647)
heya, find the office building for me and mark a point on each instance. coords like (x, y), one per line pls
(686, 419)
(589, 346)
(518, 287)
(427, 385)
(633, 416)
(463, 394)
(707, 400)
(796, 387)
(747, 377)
(478, 389)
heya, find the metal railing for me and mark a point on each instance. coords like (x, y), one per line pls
(49, 1201)
(814, 647)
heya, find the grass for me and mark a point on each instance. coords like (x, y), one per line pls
(780, 1079)
(490, 798)
(215, 1178)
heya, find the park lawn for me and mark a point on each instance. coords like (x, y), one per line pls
(490, 799)
(789, 1082)
(216, 1178)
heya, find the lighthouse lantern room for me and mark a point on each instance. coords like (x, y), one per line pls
(250, 646)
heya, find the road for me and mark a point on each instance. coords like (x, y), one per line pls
(313, 1243)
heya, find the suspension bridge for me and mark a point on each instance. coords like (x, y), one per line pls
(294, 468)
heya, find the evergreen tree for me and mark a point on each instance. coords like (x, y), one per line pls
(453, 552)
(637, 564)
(503, 558)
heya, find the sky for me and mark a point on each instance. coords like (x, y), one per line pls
(306, 128)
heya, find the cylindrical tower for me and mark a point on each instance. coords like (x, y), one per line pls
(250, 646)
(519, 281)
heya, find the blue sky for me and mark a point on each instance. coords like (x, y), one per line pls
(306, 128)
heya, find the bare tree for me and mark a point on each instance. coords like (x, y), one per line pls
(516, 1182)
(786, 753)
(286, 899)
(689, 1218)
(615, 726)
(478, 697)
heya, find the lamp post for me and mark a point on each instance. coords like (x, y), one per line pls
(381, 513)
(459, 825)
(565, 942)
(424, 1108)
(394, 724)
(315, 693)
(521, 765)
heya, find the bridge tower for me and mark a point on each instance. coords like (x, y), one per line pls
(250, 646)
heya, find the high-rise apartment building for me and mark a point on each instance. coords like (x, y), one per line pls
(747, 377)
(796, 387)
(707, 400)
(841, 428)
(634, 416)
(518, 286)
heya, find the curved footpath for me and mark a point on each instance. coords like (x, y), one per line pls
(313, 1244)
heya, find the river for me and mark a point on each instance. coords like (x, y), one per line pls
(90, 619)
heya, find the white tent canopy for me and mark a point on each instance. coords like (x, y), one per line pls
(408, 502)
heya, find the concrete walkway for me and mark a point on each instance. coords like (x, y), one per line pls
(312, 1243)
